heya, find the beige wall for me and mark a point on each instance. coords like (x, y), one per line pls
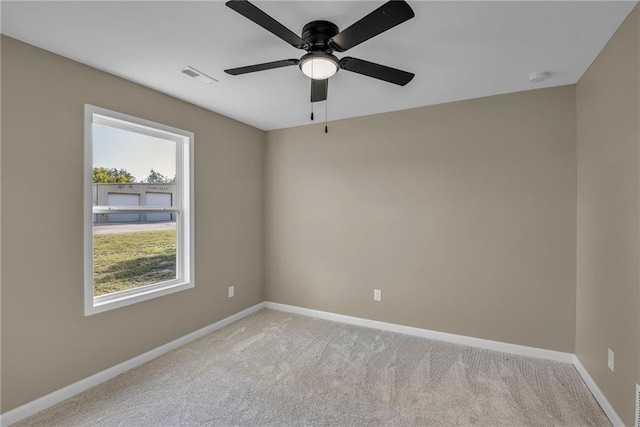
(463, 214)
(608, 243)
(47, 343)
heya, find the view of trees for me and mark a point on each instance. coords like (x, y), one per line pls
(157, 177)
(114, 175)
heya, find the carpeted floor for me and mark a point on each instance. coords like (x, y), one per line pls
(279, 369)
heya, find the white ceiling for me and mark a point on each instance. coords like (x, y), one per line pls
(458, 50)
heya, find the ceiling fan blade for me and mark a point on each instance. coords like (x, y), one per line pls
(319, 90)
(377, 71)
(249, 11)
(380, 20)
(261, 67)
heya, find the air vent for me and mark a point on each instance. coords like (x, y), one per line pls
(190, 73)
(198, 75)
(637, 405)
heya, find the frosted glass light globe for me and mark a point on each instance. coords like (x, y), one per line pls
(319, 66)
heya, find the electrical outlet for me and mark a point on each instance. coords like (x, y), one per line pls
(232, 290)
(377, 295)
(610, 359)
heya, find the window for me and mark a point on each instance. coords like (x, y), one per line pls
(138, 229)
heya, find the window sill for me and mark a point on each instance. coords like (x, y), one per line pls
(124, 298)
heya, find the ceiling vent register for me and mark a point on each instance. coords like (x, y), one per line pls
(198, 75)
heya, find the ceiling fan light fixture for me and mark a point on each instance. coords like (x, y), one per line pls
(319, 65)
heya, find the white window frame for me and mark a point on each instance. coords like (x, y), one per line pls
(184, 210)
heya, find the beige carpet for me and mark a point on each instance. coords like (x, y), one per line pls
(279, 369)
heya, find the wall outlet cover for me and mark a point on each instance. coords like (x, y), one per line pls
(610, 359)
(377, 295)
(232, 291)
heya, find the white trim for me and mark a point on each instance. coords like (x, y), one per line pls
(64, 393)
(595, 390)
(470, 341)
(58, 396)
(127, 297)
(637, 421)
(521, 350)
(117, 209)
(87, 209)
(184, 209)
(102, 116)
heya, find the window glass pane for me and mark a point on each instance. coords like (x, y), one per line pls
(133, 248)
(125, 156)
(130, 255)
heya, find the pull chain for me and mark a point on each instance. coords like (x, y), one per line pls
(312, 89)
(326, 128)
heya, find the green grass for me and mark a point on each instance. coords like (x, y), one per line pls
(130, 260)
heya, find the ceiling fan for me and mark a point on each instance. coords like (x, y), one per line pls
(322, 38)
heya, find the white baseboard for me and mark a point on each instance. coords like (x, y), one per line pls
(637, 424)
(521, 350)
(595, 390)
(637, 421)
(464, 340)
(58, 396)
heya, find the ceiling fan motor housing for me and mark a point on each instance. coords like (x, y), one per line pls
(317, 35)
